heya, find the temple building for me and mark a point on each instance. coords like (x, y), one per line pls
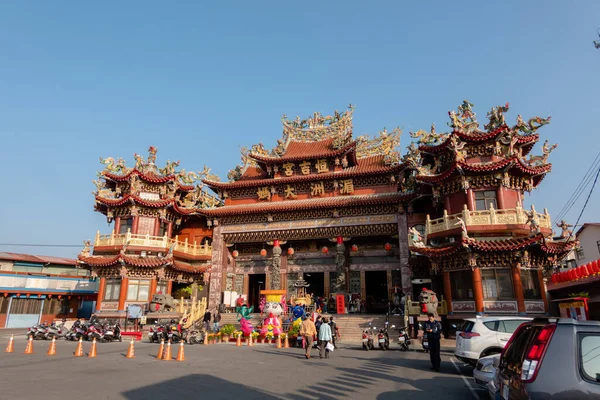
(482, 249)
(321, 207)
(159, 237)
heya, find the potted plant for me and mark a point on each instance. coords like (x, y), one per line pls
(270, 337)
(226, 331)
(293, 334)
(218, 336)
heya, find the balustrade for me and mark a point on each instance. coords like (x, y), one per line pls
(153, 241)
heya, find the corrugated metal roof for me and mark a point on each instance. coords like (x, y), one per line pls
(37, 259)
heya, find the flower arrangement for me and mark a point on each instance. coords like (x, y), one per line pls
(294, 330)
(283, 335)
(227, 329)
(237, 333)
(254, 335)
(270, 336)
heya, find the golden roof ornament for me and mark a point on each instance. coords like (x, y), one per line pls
(385, 143)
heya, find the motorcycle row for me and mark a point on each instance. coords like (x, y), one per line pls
(106, 331)
(175, 333)
(383, 338)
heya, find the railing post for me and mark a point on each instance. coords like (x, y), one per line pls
(492, 215)
(128, 235)
(147, 240)
(466, 215)
(427, 225)
(186, 244)
(446, 222)
(97, 238)
(165, 241)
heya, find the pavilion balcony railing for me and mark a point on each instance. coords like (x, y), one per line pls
(511, 216)
(164, 242)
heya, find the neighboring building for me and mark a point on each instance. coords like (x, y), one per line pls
(486, 252)
(35, 289)
(159, 236)
(589, 243)
(323, 207)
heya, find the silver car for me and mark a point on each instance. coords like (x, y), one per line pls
(485, 374)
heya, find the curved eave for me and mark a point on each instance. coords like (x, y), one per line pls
(527, 141)
(149, 178)
(189, 268)
(270, 160)
(304, 178)
(136, 199)
(310, 204)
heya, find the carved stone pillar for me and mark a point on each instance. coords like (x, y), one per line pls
(340, 266)
(404, 253)
(276, 270)
(214, 294)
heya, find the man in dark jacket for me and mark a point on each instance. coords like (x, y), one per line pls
(206, 320)
(433, 330)
(334, 331)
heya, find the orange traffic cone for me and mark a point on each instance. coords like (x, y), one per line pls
(206, 340)
(11, 345)
(79, 349)
(250, 342)
(278, 341)
(161, 348)
(180, 355)
(29, 348)
(130, 351)
(239, 340)
(92, 353)
(167, 356)
(286, 343)
(52, 347)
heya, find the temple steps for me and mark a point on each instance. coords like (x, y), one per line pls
(349, 325)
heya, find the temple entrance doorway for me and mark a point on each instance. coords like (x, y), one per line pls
(376, 289)
(317, 283)
(256, 283)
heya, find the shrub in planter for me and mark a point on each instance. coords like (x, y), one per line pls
(227, 329)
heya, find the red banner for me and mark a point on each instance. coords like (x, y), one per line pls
(340, 302)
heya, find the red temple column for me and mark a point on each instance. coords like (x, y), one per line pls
(152, 288)
(117, 225)
(101, 289)
(500, 198)
(448, 291)
(518, 288)
(123, 294)
(156, 227)
(478, 290)
(543, 289)
(470, 200)
(134, 225)
(170, 229)
(169, 286)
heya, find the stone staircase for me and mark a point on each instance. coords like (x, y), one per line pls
(350, 325)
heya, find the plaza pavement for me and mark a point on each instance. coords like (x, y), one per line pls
(224, 371)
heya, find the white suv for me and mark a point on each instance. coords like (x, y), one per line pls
(483, 336)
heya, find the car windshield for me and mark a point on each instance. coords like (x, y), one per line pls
(589, 355)
(466, 326)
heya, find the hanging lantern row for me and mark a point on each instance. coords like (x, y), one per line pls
(574, 274)
(354, 248)
(325, 250)
(235, 253)
(290, 251)
(263, 252)
(387, 247)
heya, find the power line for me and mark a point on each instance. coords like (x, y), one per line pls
(580, 188)
(586, 201)
(40, 245)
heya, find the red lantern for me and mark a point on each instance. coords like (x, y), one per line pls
(325, 250)
(584, 270)
(263, 252)
(354, 247)
(235, 253)
(570, 275)
(387, 247)
(553, 278)
(290, 251)
(595, 267)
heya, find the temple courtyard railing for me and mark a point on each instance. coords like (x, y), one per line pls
(164, 242)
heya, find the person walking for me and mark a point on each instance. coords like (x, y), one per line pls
(334, 331)
(308, 331)
(433, 330)
(216, 320)
(324, 338)
(206, 320)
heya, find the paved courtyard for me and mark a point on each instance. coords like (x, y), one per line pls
(225, 371)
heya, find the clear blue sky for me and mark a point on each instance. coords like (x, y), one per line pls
(80, 81)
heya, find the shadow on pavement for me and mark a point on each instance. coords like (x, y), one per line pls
(197, 385)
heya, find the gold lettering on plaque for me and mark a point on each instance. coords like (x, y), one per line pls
(317, 189)
(288, 169)
(305, 168)
(289, 192)
(322, 166)
(263, 193)
(347, 186)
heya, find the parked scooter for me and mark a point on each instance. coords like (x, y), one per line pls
(384, 339)
(56, 331)
(156, 333)
(367, 338)
(403, 339)
(424, 340)
(112, 332)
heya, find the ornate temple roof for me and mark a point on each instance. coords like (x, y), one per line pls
(499, 245)
(314, 203)
(144, 262)
(316, 137)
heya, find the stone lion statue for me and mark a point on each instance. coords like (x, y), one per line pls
(162, 303)
(428, 301)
